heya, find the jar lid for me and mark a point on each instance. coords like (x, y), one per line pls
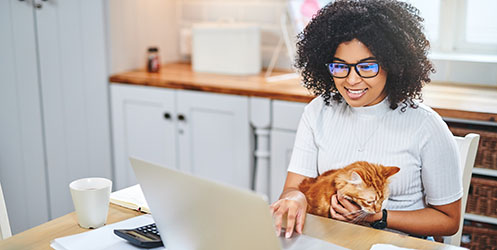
(153, 49)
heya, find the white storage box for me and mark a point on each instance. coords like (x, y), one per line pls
(226, 48)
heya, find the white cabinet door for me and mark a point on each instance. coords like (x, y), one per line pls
(143, 127)
(22, 159)
(74, 89)
(205, 134)
(285, 116)
(214, 136)
(281, 150)
(54, 105)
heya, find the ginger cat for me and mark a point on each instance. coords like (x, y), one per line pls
(363, 183)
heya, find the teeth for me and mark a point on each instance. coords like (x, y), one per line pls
(356, 91)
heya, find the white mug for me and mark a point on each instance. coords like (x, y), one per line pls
(91, 200)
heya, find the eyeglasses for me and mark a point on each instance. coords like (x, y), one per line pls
(363, 69)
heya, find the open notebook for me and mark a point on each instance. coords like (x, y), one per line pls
(103, 238)
(130, 197)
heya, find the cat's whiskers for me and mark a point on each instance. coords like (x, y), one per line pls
(358, 218)
(353, 212)
(361, 216)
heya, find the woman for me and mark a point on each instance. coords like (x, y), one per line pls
(366, 61)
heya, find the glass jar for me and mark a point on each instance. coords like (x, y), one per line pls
(153, 62)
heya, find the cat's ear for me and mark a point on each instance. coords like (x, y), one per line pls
(355, 178)
(389, 171)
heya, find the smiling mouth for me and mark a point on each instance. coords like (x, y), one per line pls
(355, 93)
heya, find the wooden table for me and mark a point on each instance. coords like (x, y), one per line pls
(341, 233)
(39, 237)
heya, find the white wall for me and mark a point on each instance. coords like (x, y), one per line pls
(135, 25)
(266, 13)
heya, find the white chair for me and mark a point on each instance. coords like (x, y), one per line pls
(4, 219)
(468, 146)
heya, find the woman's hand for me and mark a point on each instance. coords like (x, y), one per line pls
(342, 209)
(294, 204)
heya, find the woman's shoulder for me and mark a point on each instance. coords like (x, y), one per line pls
(318, 104)
(420, 111)
(425, 116)
(317, 108)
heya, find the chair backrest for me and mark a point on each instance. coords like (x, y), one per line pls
(468, 145)
(4, 219)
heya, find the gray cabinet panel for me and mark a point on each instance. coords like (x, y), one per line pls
(54, 105)
(22, 161)
(74, 91)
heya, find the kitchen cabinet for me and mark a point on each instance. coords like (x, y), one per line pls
(281, 150)
(202, 133)
(285, 116)
(53, 105)
(143, 127)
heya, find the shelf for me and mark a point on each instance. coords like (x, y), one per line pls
(480, 218)
(485, 171)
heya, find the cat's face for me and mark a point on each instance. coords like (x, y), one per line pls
(367, 186)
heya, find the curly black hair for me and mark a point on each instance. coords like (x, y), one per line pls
(392, 31)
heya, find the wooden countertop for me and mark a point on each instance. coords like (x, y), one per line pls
(462, 102)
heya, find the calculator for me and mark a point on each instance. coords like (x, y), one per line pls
(145, 236)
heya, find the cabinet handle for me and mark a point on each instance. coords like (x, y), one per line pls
(37, 4)
(167, 116)
(181, 117)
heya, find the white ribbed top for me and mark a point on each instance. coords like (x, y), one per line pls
(417, 141)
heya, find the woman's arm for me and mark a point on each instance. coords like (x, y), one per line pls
(434, 220)
(291, 202)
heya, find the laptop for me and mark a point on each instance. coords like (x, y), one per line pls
(195, 213)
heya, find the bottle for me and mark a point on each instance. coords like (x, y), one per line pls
(153, 62)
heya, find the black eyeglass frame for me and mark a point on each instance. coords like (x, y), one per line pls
(350, 65)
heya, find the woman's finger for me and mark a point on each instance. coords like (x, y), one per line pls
(274, 207)
(299, 227)
(290, 222)
(353, 210)
(347, 204)
(337, 206)
(278, 218)
(335, 209)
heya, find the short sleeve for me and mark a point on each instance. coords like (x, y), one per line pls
(441, 168)
(305, 152)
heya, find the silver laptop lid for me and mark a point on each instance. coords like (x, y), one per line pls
(195, 213)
